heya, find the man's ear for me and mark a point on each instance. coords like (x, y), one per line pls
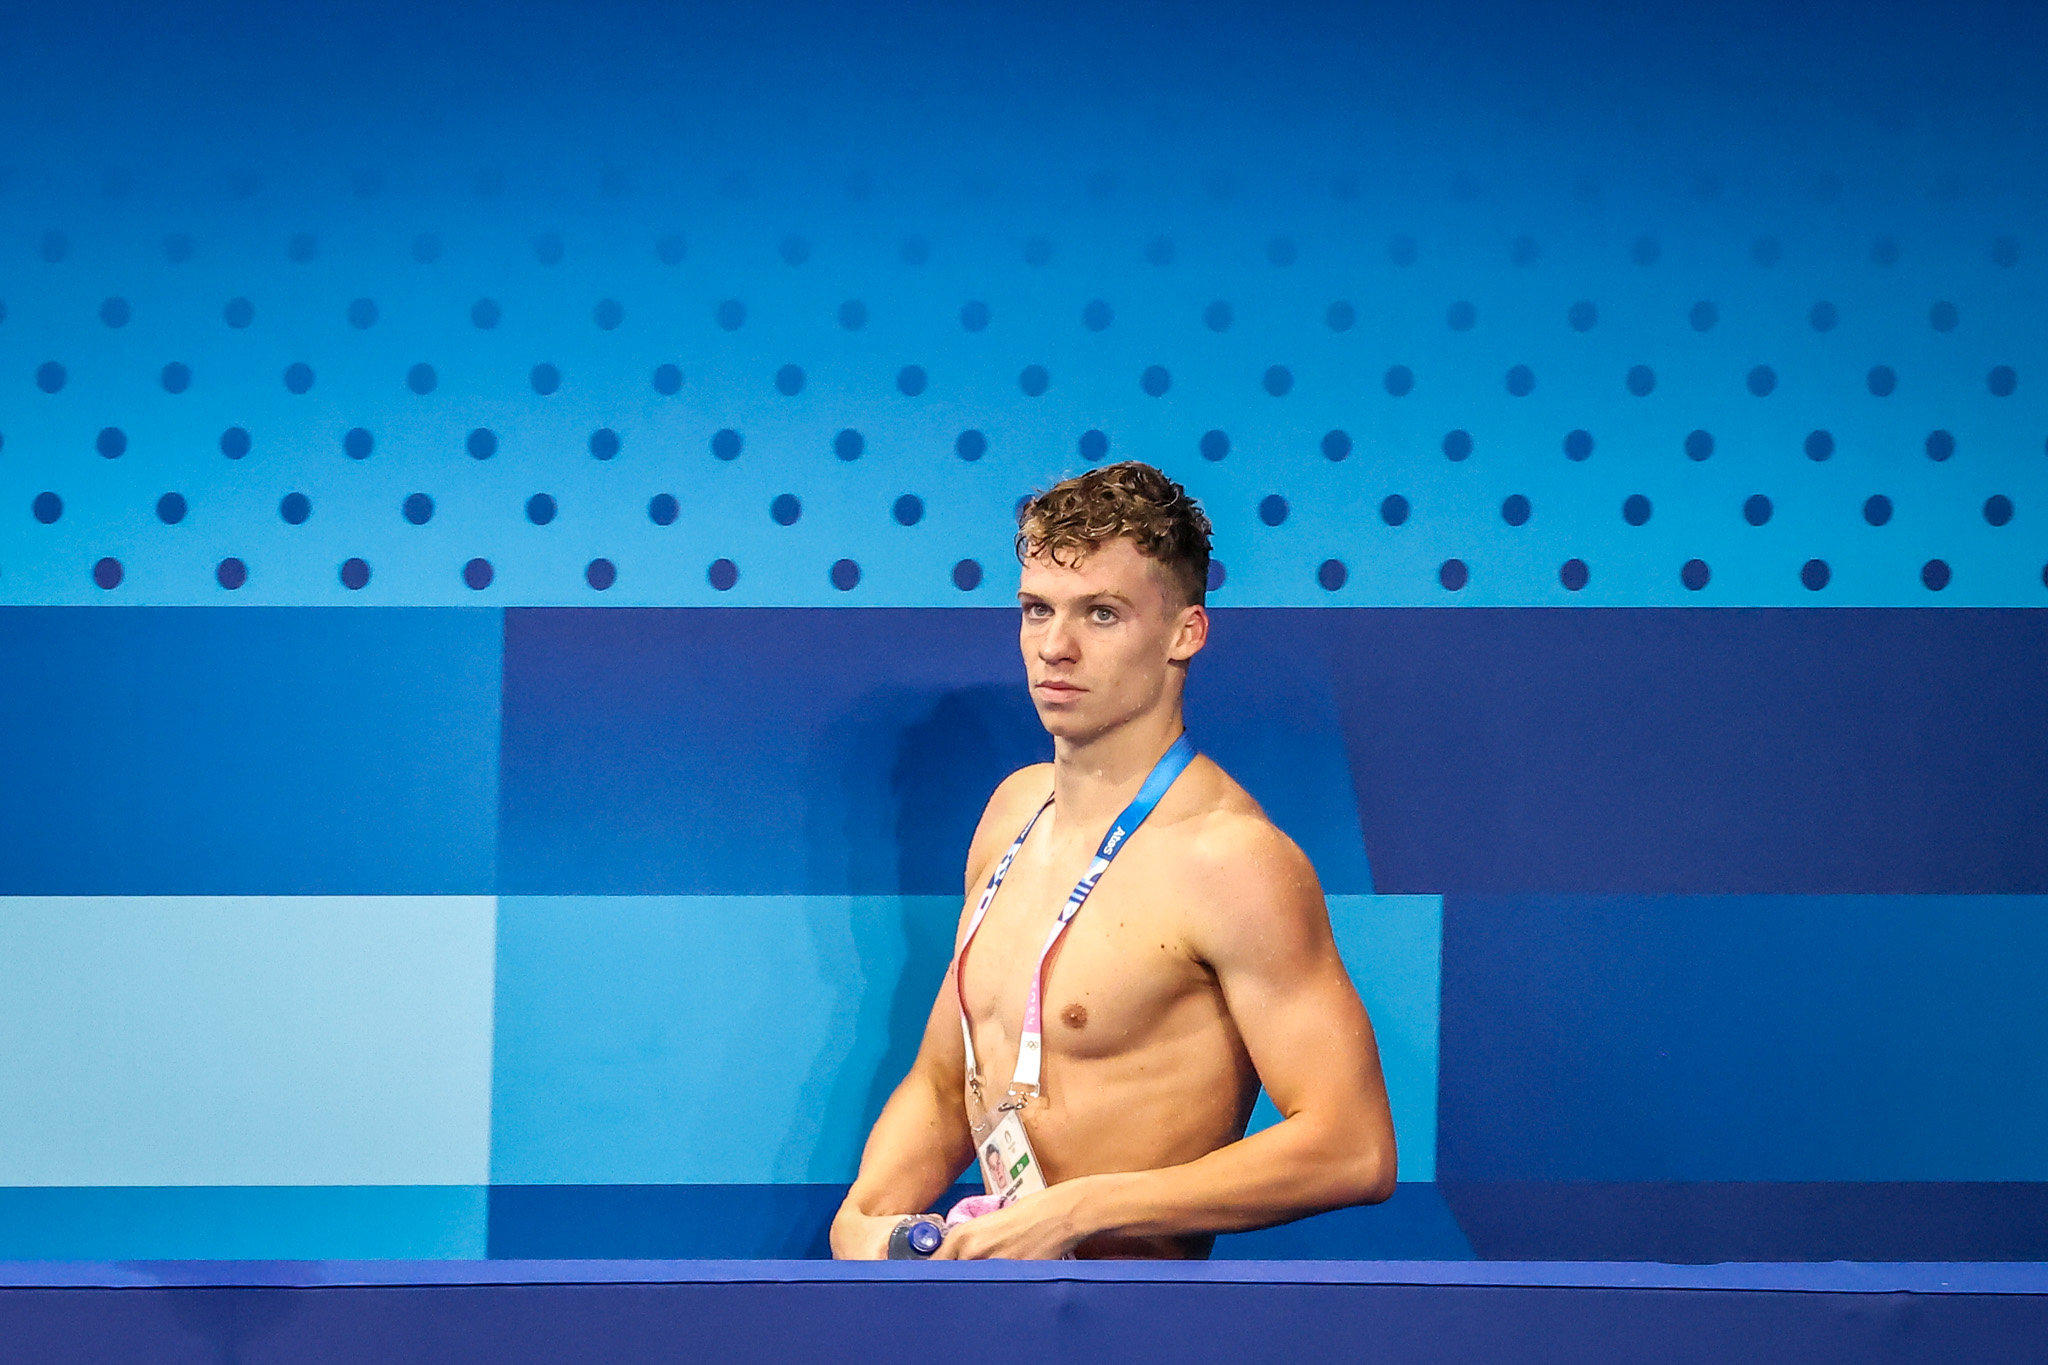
(1191, 634)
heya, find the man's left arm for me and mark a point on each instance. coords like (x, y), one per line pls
(1261, 924)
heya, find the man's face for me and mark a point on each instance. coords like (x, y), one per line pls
(1110, 629)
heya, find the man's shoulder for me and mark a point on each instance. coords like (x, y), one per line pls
(1011, 803)
(1230, 851)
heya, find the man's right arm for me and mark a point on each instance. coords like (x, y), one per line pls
(921, 1141)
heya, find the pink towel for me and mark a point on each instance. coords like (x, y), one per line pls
(973, 1206)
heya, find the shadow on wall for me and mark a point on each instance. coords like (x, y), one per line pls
(892, 780)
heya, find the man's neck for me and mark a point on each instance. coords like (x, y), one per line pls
(1093, 780)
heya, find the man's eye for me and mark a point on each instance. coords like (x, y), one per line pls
(1108, 613)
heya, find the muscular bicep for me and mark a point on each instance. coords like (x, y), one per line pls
(1264, 930)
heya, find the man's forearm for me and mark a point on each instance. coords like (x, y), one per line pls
(918, 1145)
(1297, 1167)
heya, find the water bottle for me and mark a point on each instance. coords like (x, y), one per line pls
(914, 1239)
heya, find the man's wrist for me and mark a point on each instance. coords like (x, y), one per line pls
(1096, 1204)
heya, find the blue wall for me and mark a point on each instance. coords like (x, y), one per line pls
(505, 527)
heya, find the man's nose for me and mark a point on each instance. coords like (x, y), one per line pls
(1057, 643)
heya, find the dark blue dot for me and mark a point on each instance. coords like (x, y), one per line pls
(1823, 316)
(1645, 251)
(1514, 509)
(912, 380)
(967, 575)
(853, 315)
(362, 313)
(1573, 574)
(795, 250)
(418, 509)
(1877, 509)
(298, 376)
(421, 378)
(1578, 444)
(1521, 380)
(909, 509)
(1155, 381)
(662, 509)
(2002, 381)
(49, 376)
(176, 377)
(730, 315)
(1762, 380)
(1278, 380)
(1453, 574)
(667, 379)
(1942, 317)
(231, 573)
(1214, 445)
(1703, 316)
(1216, 575)
(1998, 509)
(915, 251)
(115, 312)
(1461, 316)
(357, 444)
(1159, 251)
(540, 509)
(725, 443)
(485, 313)
(1756, 509)
(1819, 445)
(1340, 316)
(1694, 574)
(47, 508)
(1582, 315)
(107, 573)
(1097, 315)
(355, 574)
(482, 443)
(1635, 509)
(845, 575)
(1218, 316)
(112, 442)
(848, 444)
(426, 248)
(477, 573)
(234, 443)
(1457, 445)
(1094, 445)
(789, 380)
(1281, 251)
(785, 509)
(1934, 574)
(1884, 251)
(547, 248)
(1940, 445)
(1273, 509)
(1814, 574)
(1332, 574)
(604, 443)
(1336, 444)
(723, 574)
(1399, 381)
(974, 315)
(970, 444)
(1394, 509)
(545, 378)
(302, 247)
(1034, 380)
(608, 314)
(1641, 379)
(1882, 379)
(600, 574)
(295, 508)
(1402, 251)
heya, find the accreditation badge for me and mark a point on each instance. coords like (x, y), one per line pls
(1009, 1168)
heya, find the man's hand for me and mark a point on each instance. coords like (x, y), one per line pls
(1041, 1226)
(863, 1237)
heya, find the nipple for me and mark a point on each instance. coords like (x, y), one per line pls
(1075, 1016)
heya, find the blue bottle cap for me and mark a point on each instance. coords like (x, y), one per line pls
(925, 1238)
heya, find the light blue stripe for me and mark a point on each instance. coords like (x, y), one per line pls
(369, 1222)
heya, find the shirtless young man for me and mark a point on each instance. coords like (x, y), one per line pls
(1200, 966)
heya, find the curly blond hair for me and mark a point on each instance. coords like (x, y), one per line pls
(1129, 500)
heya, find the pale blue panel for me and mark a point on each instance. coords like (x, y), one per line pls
(1393, 946)
(244, 1223)
(754, 1039)
(201, 1040)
